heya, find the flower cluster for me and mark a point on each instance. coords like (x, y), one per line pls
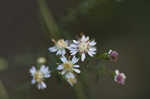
(69, 67)
(70, 55)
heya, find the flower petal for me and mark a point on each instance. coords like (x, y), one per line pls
(32, 70)
(90, 53)
(70, 75)
(47, 75)
(41, 85)
(33, 81)
(76, 66)
(92, 43)
(76, 42)
(63, 52)
(87, 38)
(77, 71)
(83, 38)
(73, 52)
(43, 69)
(63, 72)
(73, 46)
(53, 49)
(92, 49)
(58, 52)
(63, 59)
(117, 72)
(74, 60)
(83, 57)
(60, 67)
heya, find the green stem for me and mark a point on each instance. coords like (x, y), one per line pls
(79, 91)
(48, 19)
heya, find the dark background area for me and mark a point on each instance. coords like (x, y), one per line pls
(123, 26)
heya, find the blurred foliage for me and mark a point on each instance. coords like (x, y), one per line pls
(3, 92)
(84, 8)
(3, 64)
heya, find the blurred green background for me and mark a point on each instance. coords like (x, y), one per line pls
(123, 25)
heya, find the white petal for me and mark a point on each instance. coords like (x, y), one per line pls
(117, 72)
(63, 72)
(70, 75)
(63, 52)
(87, 38)
(76, 66)
(123, 75)
(90, 53)
(74, 60)
(52, 49)
(83, 57)
(43, 69)
(72, 48)
(41, 85)
(33, 81)
(77, 71)
(67, 42)
(76, 42)
(60, 67)
(47, 75)
(73, 45)
(110, 51)
(115, 78)
(70, 83)
(92, 43)
(63, 59)
(73, 52)
(32, 70)
(92, 49)
(83, 38)
(58, 52)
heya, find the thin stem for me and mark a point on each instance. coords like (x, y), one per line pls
(48, 19)
(79, 91)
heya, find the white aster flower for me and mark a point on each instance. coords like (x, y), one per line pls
(83, 46)
(71, 79)
(68, 65)
(39, 75)
(119, 77)
(60, 47)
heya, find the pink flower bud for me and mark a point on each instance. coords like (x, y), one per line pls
(119, 77)
(113, 55)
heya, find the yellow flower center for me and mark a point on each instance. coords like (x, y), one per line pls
(83, 46)
(68, 66)
(38, 76)
(61, 43)
(72, 80)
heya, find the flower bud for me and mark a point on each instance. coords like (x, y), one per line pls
(113, 55)
(119, 77)
(41, 60)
